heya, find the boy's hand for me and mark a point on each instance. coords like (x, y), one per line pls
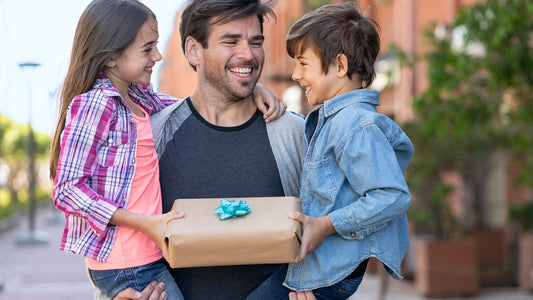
(315, 230)
(262, 97)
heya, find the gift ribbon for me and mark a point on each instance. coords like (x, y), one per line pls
(231, 209)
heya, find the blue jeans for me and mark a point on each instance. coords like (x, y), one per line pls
(272, 288)
(111, 282)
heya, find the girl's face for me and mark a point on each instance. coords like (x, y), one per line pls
(318, 86)
(135, 63)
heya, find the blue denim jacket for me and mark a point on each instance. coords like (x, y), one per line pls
(353, 172)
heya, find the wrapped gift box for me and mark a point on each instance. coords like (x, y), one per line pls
(266, 235)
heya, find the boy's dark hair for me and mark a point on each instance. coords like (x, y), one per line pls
(199, 15)
(338, 29)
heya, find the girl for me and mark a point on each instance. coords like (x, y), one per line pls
(103, 157)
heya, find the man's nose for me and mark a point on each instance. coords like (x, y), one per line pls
(244, 52)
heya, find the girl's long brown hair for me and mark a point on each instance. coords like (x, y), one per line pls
(105, 28)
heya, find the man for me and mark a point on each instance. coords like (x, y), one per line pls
(215, 144)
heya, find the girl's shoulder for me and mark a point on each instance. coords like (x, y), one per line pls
(96, 99)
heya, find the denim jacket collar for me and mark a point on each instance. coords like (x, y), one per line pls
(339, 102)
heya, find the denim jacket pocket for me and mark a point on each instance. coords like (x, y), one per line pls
(114, 150)
(322, 181)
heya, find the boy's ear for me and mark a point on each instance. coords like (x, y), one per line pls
(341, 65)
(193, 51)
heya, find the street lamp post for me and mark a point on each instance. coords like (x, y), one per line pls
(32, 236)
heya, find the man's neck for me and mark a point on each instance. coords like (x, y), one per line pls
(221, 112)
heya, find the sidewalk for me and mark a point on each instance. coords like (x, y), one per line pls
(41, 271)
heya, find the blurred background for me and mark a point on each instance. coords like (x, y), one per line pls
(455, 74)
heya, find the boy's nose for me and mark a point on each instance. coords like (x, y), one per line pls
(296, 76)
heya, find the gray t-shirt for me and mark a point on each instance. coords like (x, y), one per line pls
(207, 161)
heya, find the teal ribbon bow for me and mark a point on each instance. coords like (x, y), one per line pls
(231, 209)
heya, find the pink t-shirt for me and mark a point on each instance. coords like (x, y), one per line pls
(133, 248)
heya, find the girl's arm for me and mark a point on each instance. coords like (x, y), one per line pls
(264, 97)
(153, 226)
(86, 130)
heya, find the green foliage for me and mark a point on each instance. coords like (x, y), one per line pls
(14, 154)
(14, 141)
(478, 103)
(522, 215)
(314, 4)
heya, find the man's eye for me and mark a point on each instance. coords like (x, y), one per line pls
(230, 42)
(256, 44)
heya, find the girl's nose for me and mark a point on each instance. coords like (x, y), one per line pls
(157, 55)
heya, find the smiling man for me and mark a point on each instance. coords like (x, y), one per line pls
(215, 143)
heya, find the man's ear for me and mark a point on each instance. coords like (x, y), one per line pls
(193, 51)
(341, 65)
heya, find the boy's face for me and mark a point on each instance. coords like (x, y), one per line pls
(319, 87)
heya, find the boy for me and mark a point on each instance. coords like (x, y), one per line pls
(354, 196)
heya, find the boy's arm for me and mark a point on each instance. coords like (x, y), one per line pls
(371, 167)
(264, 97)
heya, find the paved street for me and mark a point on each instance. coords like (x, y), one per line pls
(41, 271)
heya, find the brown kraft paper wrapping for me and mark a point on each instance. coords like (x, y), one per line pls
(266, 235)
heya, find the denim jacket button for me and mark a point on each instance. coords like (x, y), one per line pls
(352, 234)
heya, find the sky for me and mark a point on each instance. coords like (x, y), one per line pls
(37, 31)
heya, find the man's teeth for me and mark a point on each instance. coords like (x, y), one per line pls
(242, 71)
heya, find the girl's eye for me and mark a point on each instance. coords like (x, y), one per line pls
(148, 50)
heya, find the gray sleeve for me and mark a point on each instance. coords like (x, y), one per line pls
(286, 136)
(164, 123)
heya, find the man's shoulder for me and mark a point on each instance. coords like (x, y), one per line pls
(165, 122)
(288, 120)
(159, 118)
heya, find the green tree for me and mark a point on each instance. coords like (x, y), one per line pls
(478, 103)
(13, 153)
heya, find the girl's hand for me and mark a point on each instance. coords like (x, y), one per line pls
(315, 230)
(263, 97)
(155, 226)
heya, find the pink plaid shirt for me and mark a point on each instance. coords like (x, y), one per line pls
(97, 163)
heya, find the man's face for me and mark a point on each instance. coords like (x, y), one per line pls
(233, 61)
